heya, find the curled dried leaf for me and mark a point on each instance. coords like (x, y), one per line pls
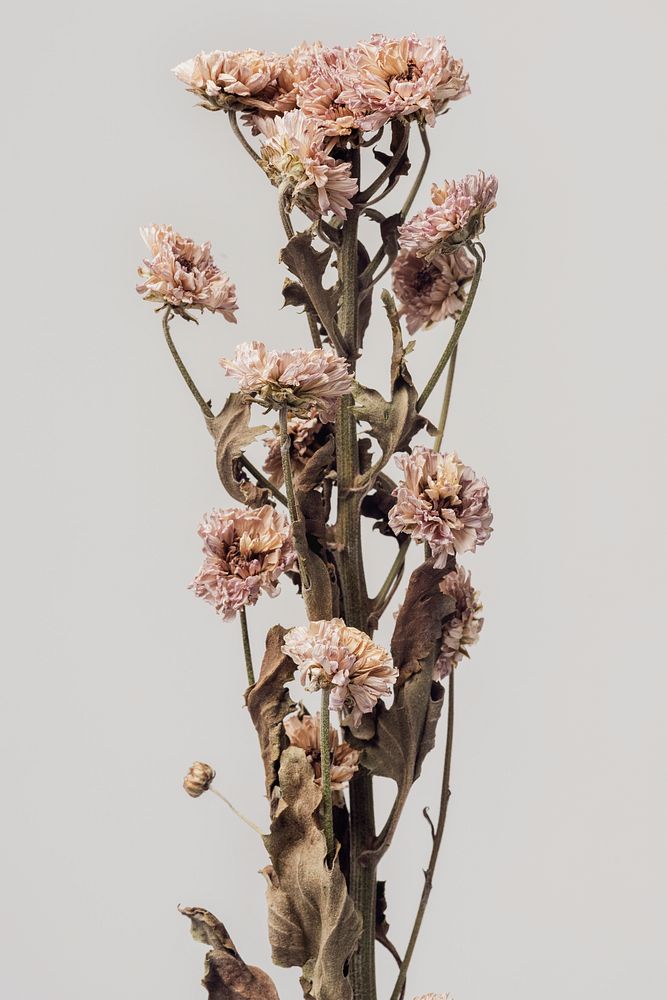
(309, 265)
(232, 433)
(269, 701)
(226, 976)
(312, 921)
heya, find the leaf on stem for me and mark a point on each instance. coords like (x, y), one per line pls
(312, 921)
(269, 702)
(392, 423)
(309, 265)
(232, 432)
(226, 977)
(405, 733)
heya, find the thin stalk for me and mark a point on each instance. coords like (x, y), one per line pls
(201, 402)
(325, 761)
(242, 139)
(236, 812)
(388, 170)
(437, 444)
(392, 580)
(247, 652)
(445, 793)
(292, 506)
(262, 480)
(314, 329)
(458, 330)
(420, 175)
(284, 192)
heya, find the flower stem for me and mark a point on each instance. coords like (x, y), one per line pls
(420, 175)
(236, 812)
(388, 588)
(386, 174)
(247, 652)
(325, 760)
(242, 139)
(437, 444)
(262, 480)
(284, 192)
(300, 542)
(201, 402)
(437, 834)
(458, 330)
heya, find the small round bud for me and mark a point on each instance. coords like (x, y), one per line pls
(198, 779)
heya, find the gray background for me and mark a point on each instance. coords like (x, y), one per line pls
(552, 881)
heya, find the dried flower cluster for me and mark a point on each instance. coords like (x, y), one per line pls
(303, 381)
(245, 553)
(463, 626)
(304, 732)
(331, 654)
(333, 130)
(441, 501)
(182, 273)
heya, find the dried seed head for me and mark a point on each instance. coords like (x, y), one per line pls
(198, 779)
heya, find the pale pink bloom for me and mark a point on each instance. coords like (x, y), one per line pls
(463, 626)
(430, 291)
(184, 274)
(333, 655)
(304, 381)
(304, 732)
(292, 71)
(455, 217)
(307, 435)
(231, 80)
(392, 77)
(295, 152)
(441, 501)
(319, 93)
(245, 553)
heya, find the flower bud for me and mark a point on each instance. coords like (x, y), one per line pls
(198, 779)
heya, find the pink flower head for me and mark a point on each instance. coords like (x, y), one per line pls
(304, 381)
(463, 626)
(441, 501)
(319, 93)
(295, 151)
(184, 274)
(307, 435)
(455, 217)
(292, 72)
(431, 291)
(231, 80)
(245, 552)
(331, 654)
(392, 77)
(304, 732)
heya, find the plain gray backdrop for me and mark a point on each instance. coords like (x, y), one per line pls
(552, 881)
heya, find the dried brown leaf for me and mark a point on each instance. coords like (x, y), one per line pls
(269, 701)
(309, 265)
(232, 433)
(312, 921)
(226, 976)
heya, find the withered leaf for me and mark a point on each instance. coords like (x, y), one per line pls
(405, 733)
(312, 921)
(309, 265)
(392, 423)
(268, 702)
(232, 432)
(226, 976)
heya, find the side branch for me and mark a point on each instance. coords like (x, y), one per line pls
(445, 793)
(201, 402)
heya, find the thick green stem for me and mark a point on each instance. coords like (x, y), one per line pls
(247, 652)
(458, 330)
(437, 444)
(325, 761)
(437, 834)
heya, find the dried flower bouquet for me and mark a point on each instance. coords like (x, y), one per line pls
(307, 120)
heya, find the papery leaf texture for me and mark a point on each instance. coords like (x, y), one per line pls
(232, 432)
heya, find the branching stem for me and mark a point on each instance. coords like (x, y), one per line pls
(437, 444)
(242, 139)
(247, 651)
(325, 761)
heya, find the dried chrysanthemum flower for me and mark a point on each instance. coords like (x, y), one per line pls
(306, 382)
(183, 274)
(430, 291)
(294, 152)
(455, 217)
(332, 654)
(231, 80)
(306, 434)
(198, 779)
(245, 551)
(441, 501)
(463, 626)
(304, 732)
(392, 77)
(319, 92)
